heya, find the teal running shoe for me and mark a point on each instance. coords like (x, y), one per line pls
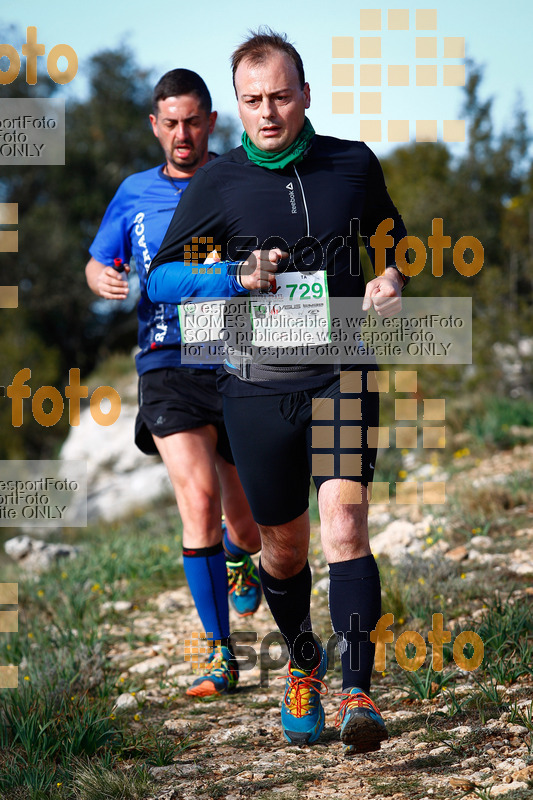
(302, 715)
(362, 726)
(220, 676)
(244, 586)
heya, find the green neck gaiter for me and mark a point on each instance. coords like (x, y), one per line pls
(291, 155)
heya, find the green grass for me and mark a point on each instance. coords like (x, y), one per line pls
(507, 634)
(495, 423)
(425, 683)
(98, 782)
(61, 715)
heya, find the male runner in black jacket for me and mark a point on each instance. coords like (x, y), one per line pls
(289, 192)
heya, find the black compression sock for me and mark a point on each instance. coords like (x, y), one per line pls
(290, 601)
(355, 607)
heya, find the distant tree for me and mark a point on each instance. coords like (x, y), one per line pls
(486, 193)
(226, 135)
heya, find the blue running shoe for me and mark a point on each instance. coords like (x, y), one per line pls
(362, 726)
(244, 586)
(302, 715)
(220, 677)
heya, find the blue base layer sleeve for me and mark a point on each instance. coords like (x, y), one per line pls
(172, 282)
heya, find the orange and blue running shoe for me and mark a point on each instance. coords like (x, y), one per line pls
(302, 715)
(244, 586)
(220, 676)
(362, 726)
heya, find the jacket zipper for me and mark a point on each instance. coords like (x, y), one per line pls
(303, 198)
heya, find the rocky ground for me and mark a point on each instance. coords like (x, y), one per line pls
(231, 746)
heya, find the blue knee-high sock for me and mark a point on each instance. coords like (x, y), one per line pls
(205, 570)
(355, 608)
(233, 551)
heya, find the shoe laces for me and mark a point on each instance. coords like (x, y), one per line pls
(239, 573)
(354, 700)
(217, 663)
(301, 691)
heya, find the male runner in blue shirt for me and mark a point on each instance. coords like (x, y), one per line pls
(180, 410)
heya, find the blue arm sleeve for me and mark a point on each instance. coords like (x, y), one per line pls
(173, 281)
(200, 214)
(112, 240)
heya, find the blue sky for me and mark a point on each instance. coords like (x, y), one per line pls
(202, 37)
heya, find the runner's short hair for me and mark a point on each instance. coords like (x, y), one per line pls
(259, 46)
(178, 82)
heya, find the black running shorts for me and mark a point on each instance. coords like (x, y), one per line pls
(179, 399)
(279, 441)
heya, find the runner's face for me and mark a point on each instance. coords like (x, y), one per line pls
(271, 103)
(183, 128)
